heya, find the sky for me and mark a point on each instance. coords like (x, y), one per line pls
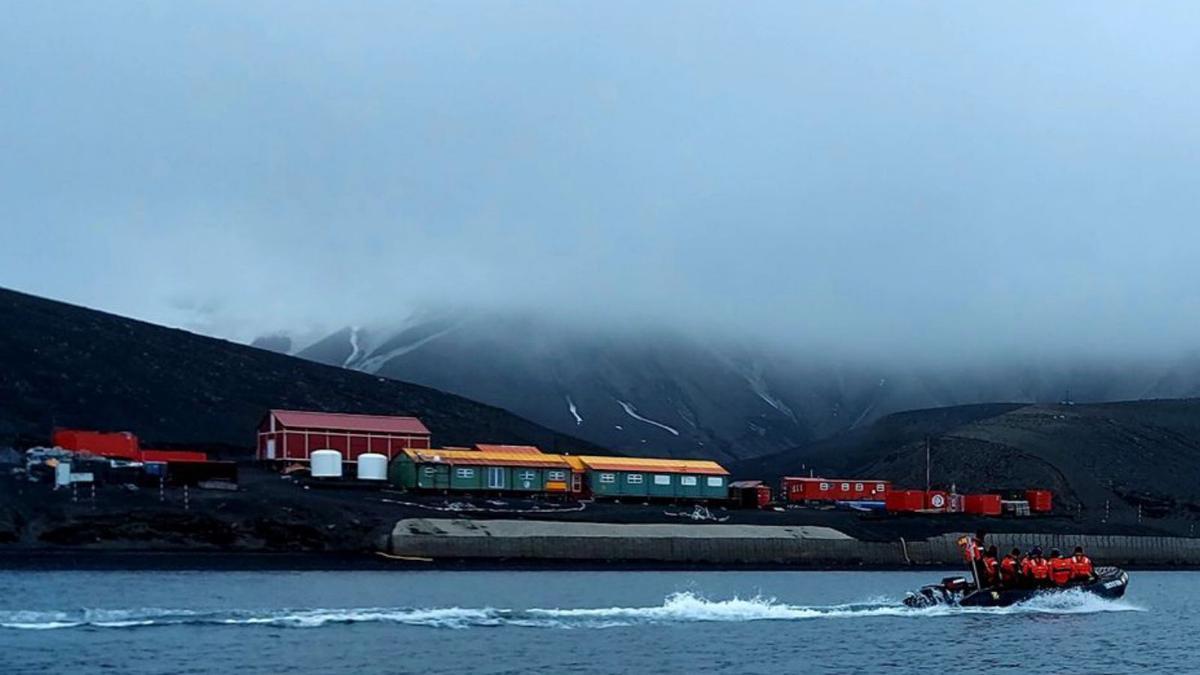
(905, 178)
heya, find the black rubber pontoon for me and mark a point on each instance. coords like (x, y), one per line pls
(1109, 582)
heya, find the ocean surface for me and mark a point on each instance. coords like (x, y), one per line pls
(240, 623)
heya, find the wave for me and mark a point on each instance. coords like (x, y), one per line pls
(676, 608)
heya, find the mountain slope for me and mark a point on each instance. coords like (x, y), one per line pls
(70, 366)
(1125, 463)
(647, 391)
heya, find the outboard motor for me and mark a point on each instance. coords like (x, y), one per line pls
(949, 592)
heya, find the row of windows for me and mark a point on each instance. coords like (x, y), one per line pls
(608, 478)
(524, 475)
(845, 487)
(661, 479)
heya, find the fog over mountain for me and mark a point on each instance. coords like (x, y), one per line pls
(860, 190)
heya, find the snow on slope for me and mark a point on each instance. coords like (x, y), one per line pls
(574, 411)
(633, 413)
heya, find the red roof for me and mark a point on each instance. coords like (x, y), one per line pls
(382, 424)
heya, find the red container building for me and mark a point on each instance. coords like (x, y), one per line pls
(751, 494)
(937, 500)
(121, 444)
(982, 505)
(1040, 501)
(292, 435)
(173, 456)
(834, 489)
(905, 500)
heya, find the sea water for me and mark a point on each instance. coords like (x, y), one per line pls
(240, 623)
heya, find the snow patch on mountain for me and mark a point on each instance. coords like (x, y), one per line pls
(629, 410)
(355, 350)
(376, 361)
(574, 411)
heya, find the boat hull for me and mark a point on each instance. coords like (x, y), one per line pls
(1110, 583)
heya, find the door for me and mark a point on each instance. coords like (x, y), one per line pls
(495, 477)
(270, 448)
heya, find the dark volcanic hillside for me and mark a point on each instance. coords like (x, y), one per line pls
(69, 366)
(660, 390)
(1106, 460)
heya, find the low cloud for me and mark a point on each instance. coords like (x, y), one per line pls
(908, 181)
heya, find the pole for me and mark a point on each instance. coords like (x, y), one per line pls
(162, 497)
(927, 482)
(186, 506)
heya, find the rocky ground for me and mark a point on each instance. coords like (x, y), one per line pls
(273, 516)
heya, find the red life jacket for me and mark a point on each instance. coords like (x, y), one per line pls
(1039, 569)
(1082, 566)
(1061, 570)
(1008, 568)
(989, 568)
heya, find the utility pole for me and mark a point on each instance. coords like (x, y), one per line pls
(927, 465)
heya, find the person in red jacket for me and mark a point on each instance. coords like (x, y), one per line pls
(1010, 568)
(1061, 569)
(1034, 569)
(989, 567)
(1081, 565)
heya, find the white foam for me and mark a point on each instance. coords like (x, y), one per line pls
(676, 608)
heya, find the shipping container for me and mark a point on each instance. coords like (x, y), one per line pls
(1040, 501)
(982, 505)
(751, 494)
(121, 444)
(172, 456)
(905, 500)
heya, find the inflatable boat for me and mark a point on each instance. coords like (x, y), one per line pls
(1109, 582)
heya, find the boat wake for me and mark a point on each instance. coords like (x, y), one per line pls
(676, 608)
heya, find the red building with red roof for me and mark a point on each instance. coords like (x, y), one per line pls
(292, 435)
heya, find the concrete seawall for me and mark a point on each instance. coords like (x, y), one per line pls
(519, 540)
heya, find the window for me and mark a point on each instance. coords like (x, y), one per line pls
(845, 487)
(662, 479)
(689, 481)
(527, 475)
(608, 478)
(858, 487)
(879, 487)
(824, 487)
(634, 478)
(556, 475)
(464, 473)
(428, 470)
(715, 481)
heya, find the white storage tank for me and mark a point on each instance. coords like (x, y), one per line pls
(326, 464)
(372, 466)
